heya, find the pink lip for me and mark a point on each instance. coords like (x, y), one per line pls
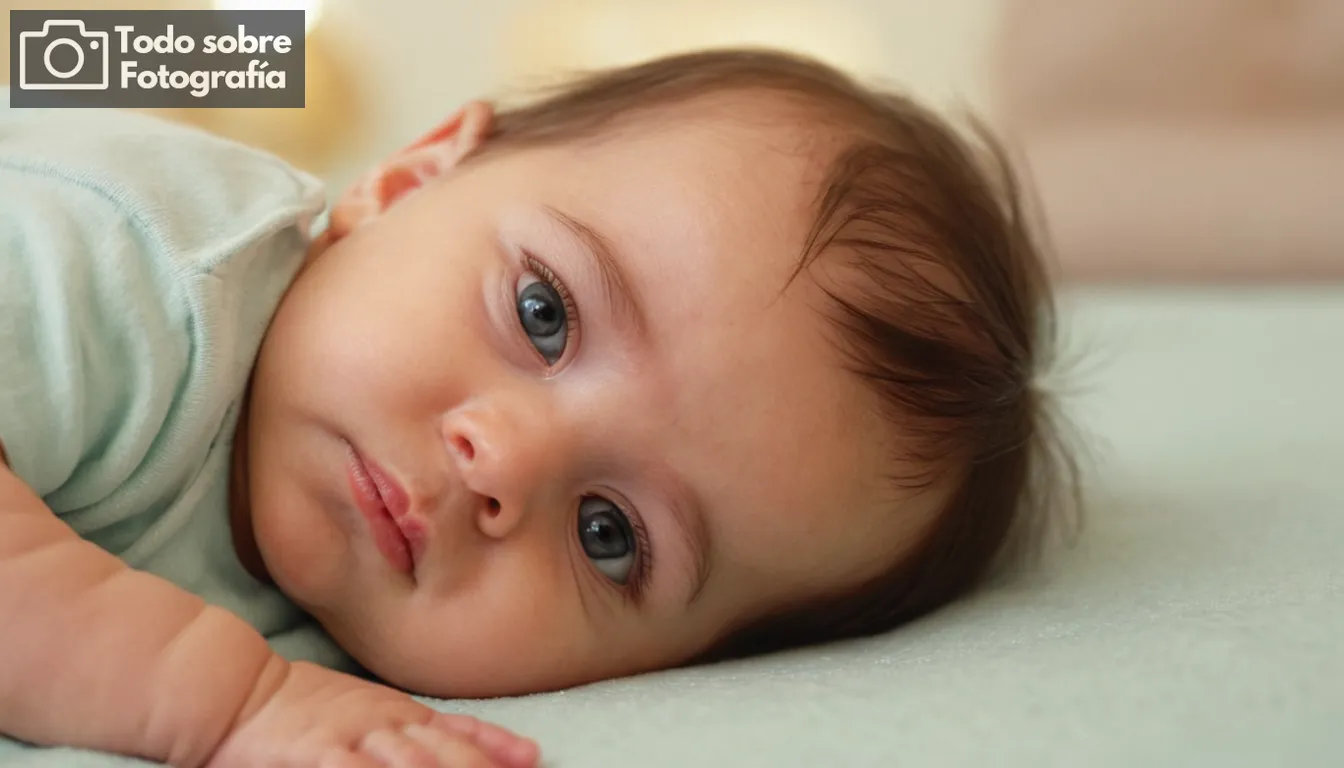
(386, 507)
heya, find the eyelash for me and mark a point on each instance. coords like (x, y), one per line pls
(643, 556)
(533, 265)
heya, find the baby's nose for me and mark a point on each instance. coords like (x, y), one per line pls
(503, 459)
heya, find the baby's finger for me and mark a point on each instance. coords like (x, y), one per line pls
(393, 749)
(502, 745)
(451, 750)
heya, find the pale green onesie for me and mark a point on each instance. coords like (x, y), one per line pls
(140, 263)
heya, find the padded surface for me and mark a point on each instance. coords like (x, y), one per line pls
(1199, 621)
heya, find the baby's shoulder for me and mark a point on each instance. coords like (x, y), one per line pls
(190, 195)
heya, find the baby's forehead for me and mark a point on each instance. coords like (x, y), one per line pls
(714, 197)
(753, 166)
(773, 132)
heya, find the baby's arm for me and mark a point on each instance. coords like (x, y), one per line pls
(97, 655)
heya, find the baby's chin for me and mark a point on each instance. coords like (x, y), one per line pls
(384, 656)
(376, 640)
(389, 654)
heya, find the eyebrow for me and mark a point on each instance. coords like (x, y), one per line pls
(616, 286)
(688, 512)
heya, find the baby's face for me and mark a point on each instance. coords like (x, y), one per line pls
(552, 417)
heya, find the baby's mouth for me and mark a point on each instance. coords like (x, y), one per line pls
(385, 506)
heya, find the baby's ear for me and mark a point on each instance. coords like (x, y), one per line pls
(432, 155)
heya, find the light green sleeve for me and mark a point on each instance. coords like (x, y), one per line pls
(140, 263)
(93, 339)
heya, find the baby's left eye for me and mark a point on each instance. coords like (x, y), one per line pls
(541, 310)
(607, 538)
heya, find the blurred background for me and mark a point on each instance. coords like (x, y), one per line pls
(1167, 138)
(383, 71)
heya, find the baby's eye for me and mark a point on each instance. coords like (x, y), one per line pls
(607, 537)
(541, 310)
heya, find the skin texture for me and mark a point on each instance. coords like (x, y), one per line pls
(402, 338)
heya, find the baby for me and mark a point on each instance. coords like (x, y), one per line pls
(709, 356)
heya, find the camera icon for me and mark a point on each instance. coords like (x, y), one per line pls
(45, 58)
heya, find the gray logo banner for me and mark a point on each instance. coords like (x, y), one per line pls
(156, 59)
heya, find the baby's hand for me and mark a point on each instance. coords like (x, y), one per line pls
(324, 719)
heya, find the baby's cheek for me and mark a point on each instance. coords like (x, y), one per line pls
(305, 552)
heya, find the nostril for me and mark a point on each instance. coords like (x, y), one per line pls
(463, 447)
(492, 507)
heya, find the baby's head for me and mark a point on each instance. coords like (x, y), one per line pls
(713, 355)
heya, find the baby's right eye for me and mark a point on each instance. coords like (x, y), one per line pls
(544, 310)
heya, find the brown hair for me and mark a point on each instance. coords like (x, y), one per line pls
(952, 324)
